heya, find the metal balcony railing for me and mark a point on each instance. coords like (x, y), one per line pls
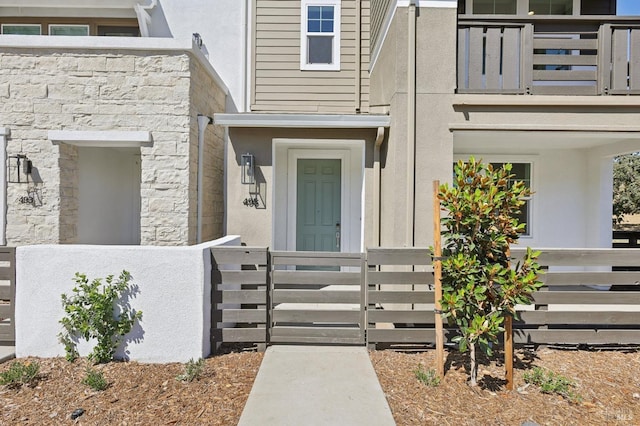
(582, 55)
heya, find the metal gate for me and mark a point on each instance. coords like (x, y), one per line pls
(317, 297)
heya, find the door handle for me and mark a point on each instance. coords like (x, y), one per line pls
(338, 235)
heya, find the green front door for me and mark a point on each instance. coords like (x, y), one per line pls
(318, 205)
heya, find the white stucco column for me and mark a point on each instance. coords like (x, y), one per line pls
(600, 200)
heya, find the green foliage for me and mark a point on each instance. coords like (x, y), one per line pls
(479, 286)
(552, 383)
(428, 377)
(626, 186)
(20, 374)
(192, 370)
(97, 311)
(95, 380)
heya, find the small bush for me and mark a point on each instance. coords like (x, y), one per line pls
(192, 370)
(551, 383)
(91, 314)
(428, 377)
(20, 374)
(95, 380)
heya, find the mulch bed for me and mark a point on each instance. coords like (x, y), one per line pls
(608, 383)
(145, 394)
(139, 394)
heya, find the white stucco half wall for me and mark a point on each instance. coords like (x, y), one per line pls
(174, 297)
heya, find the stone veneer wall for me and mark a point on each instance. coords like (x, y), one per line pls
(206, 103)
(42, 90)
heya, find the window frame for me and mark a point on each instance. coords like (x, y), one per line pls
(86, 26)
(513, 159)
(522, 8)
(7, 24)
(304, 51)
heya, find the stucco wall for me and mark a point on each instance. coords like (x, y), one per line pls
(75, 89)
(256, 224)
(174, 296)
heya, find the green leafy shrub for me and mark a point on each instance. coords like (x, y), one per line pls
(20, 374)
(192, 370)
(95, 380)
(428, 377)
(552, 383)
(479, 286)
(97, 311)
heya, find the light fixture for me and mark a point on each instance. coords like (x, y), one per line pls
(247, 164)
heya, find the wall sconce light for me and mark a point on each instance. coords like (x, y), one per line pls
(248, 169)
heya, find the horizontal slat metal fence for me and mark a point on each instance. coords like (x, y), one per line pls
(275, 297)
(7, 295)
(239, 294)
(400, 296)
(317, 297)
(583, 301)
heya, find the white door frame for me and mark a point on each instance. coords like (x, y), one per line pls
(345, 189)
(286, 153)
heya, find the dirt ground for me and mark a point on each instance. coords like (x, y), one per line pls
(607, 382)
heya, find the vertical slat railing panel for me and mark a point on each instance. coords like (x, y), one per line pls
(7, 295)
(476, 57)
(619, 60)
(492, 58)
(604, 59)
(463, 52)
(634, 65)
(511, 59)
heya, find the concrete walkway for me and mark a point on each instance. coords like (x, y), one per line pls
(316, 385)
(7, 353)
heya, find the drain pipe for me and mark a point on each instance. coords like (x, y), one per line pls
(411, 125)
(377, 187)
(203, 122)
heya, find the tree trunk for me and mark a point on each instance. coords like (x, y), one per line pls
(474, 365)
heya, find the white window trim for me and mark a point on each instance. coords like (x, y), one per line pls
(69, 25)
(335, 66)
(532, 224)
(21, 25)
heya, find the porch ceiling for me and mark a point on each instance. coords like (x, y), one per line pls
(607, 143)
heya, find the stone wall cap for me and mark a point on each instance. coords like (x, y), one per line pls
(101, 138)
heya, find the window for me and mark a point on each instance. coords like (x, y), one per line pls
(320, 35)
(551, 7)
(21, 29)
(69, 30)
(522, 172)
(495, 7)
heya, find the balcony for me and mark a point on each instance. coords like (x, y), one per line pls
(564, 55)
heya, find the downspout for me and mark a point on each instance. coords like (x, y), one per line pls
(358, 86)
(203, 122)
(377, 188)
(144, 19)
(411, 125)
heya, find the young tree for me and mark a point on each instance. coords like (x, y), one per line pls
(479, 286)
(626, 186)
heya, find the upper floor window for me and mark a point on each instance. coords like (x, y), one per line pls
(125, 27)
(537, 7)
(320, 35)
(21, 29)
(69, 30)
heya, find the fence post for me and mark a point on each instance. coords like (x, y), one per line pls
(437, 275)
(508, 343)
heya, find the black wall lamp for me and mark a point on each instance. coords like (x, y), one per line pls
(248, 169)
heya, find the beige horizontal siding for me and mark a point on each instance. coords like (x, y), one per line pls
(278, 82)
(378, 11)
